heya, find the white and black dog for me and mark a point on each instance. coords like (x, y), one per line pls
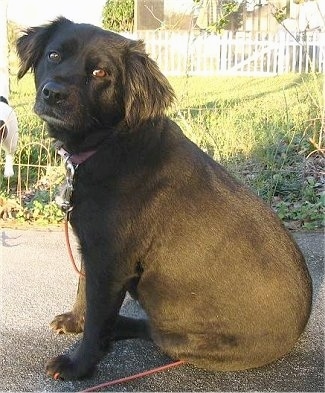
(8, 134)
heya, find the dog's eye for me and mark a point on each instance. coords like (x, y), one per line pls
(54, 56)
(100, 73)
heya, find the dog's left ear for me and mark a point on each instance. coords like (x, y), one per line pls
(147, 92)
(29, 48)
(31, 44)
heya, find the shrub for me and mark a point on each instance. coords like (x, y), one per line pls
(118, 15)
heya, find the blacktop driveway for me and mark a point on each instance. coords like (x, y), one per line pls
(38, 282)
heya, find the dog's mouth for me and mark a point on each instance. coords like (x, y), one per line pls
(59, 115)
(53, 120)
(58, 105)
(49, 114)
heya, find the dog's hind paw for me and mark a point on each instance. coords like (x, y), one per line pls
(68, 322)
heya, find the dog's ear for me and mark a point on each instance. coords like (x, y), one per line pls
(29, 49)
(30, 45)
(147, 92)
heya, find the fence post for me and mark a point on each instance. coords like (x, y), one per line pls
(4, 62)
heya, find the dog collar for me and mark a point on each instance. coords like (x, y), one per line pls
(75, 159)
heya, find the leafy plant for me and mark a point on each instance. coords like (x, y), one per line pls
(41, 214)
(226, 9)
(280, 13)
(118, 15)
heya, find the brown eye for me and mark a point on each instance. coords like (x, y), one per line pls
(100, 73)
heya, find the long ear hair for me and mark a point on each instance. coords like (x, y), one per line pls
(147, 92)
(30, 45)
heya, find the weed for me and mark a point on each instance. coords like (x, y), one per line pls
(41, 212)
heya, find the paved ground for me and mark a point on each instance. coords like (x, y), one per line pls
(37, 282)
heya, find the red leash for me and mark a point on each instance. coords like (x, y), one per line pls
(66, 231)
(135, 376)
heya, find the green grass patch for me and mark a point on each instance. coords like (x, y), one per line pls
(266, 131)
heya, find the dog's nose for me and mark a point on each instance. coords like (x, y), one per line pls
(53, 92)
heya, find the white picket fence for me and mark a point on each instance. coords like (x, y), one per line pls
(183, 53)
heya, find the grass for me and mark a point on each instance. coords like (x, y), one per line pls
(242, 115)
(266, 131)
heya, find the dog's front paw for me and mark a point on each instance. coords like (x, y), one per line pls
(68, 322)
(62, 367)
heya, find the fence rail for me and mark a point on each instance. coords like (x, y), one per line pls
(37, 167)
(183, 53)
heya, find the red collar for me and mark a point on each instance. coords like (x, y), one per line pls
(75, 159)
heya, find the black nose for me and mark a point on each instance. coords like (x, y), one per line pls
(53, 92)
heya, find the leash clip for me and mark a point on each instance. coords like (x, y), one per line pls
(71, 162)
(64, 196)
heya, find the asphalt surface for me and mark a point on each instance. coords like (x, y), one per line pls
(38, 282)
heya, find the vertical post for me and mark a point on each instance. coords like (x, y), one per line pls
(4, 62)
(135, 16)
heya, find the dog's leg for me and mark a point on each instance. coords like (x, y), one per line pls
(105, 292)
(127, 328)
(73, 321)
(97, 337)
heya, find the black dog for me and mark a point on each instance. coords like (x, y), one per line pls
(223, 284)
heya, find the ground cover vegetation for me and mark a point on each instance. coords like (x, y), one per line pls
(267, 131)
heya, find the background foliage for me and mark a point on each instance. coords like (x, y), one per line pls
(118, 15)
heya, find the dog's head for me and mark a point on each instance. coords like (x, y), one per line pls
(87, 77)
